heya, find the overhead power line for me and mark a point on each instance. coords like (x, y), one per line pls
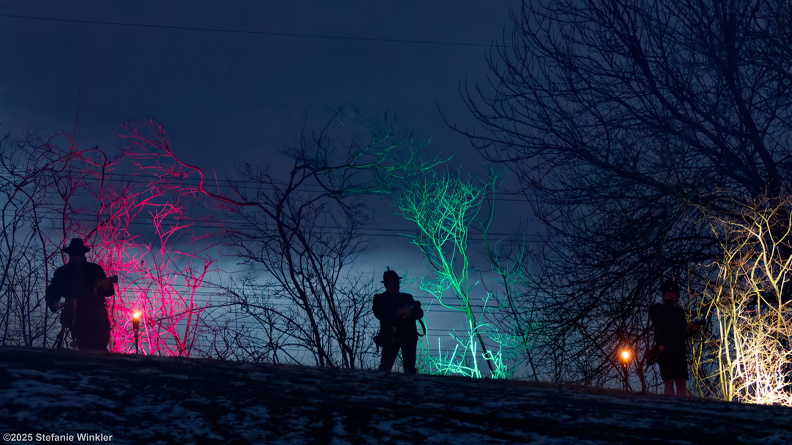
(253, 32)
(374, 231)
(229, 184)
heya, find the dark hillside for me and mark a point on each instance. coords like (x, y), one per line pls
(61, 395)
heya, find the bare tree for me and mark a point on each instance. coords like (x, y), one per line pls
(56, 191)
(23, 243)
(163, 265)
(443, 209)
(252, 326)
(299, 227)
(746, 354)
(518, 309)
(627, 122)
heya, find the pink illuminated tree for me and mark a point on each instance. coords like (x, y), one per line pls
(133, 208)
(162, 268)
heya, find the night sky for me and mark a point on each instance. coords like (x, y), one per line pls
(232, 84)
(236, 84)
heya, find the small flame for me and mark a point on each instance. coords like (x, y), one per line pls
(136, 315)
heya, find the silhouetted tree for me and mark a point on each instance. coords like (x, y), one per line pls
(25, 247)
(632, 124)
(298, 225)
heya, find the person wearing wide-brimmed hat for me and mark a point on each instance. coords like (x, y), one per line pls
(397, 313)
(83, 287)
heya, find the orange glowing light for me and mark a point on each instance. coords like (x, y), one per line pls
(136, 322)
(626, 355)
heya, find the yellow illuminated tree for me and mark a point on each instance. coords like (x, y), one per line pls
(750, 304)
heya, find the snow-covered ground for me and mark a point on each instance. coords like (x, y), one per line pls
(52, 396)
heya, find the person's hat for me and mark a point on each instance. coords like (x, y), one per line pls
(76, 247)
(669, 286)
(390, 275)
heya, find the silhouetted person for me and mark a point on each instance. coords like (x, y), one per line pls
(84, 286)
(397, 313)
(671, 332)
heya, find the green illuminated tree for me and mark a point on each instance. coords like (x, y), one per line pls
(633, 125)
(444, 209)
